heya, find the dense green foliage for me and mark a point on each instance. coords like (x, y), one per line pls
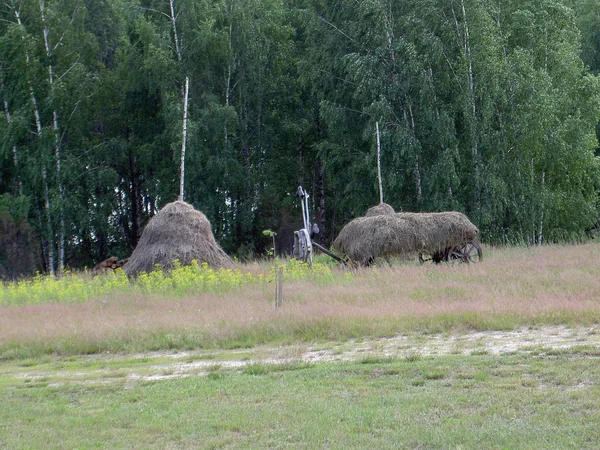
(485, 106)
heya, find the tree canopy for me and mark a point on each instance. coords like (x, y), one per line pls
(487, 107)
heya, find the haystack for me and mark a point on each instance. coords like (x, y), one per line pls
(177, 232)
(383, 209)
(403, 234)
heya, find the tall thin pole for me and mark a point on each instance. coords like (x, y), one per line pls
(183, 137)
(379, 163)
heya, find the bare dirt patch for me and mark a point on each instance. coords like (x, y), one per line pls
(169, 365)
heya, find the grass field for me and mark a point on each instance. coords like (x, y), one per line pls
(537, 396)
(207, 309)
(521, 400)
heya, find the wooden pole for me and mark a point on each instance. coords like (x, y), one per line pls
(327, 252)
(279, 289)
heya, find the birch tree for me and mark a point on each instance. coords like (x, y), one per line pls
(49, 247)
(9, 134)
(56, 129)
(185, 88)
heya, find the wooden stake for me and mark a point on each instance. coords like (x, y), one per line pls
(279, 289)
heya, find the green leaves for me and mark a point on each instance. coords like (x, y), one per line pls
(484, 107)
(498, 88)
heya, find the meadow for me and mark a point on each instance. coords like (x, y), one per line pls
(197, 307)
(521, 401)
(69, 349)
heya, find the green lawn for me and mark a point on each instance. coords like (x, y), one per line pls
(521, 400)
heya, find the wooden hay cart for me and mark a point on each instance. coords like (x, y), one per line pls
(436, 237)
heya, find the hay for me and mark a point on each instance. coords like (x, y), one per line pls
(177, 232)
(403, 234)
(383, 209)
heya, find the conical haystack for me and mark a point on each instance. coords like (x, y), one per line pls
(383, 209)
(403, 234)
(177, 232)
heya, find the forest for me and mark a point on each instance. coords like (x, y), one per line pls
(487, 107)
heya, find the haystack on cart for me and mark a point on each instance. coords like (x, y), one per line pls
(437, 237)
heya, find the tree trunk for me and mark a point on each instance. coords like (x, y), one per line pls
(183, 138)
(173, 19)
(38, 125)
(17, 183)
(379, 162)
(473, 107)
(57, 150)
(184, 91)
(417, 165)
(389, 32)
(135, 213)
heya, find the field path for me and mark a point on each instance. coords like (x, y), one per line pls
(107, 368)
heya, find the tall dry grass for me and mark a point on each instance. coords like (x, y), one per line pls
(510, 288)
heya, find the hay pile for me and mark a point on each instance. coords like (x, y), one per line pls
(179, 232)
(383, 209)
(403, 234)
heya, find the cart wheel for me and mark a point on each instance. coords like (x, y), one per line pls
(455, 254)
(470, 253)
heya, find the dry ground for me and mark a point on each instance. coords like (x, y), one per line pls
(168, 365)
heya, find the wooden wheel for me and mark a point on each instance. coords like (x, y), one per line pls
(468, 253)
(302, 249)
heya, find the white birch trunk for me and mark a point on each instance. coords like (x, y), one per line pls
(466, 44)
(175, 35)
(19, 183)
(417, 168)
(38, 124)
(379, 163)
(57, 152)
(228, 81)
(183, 138)
(173, 19)
(9, 122)
(389, 31)
(471, 86)
(184, 89)
(228, 84)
